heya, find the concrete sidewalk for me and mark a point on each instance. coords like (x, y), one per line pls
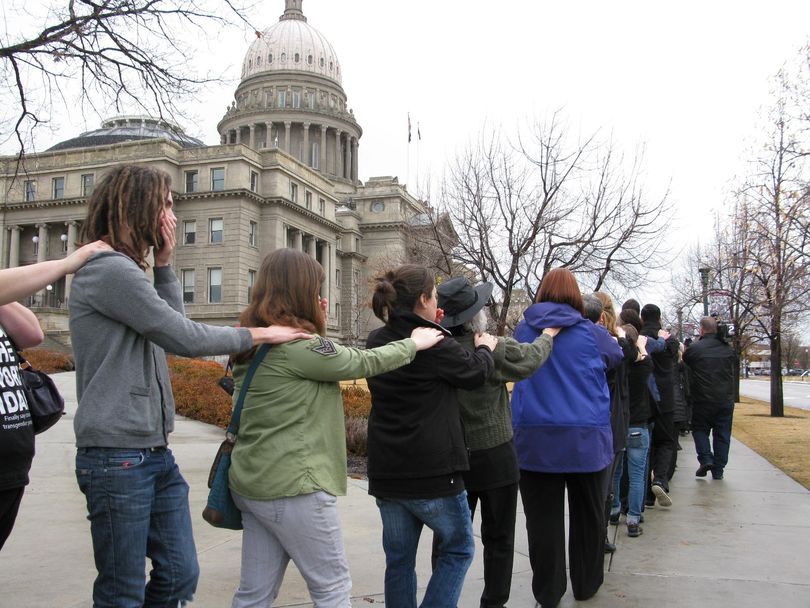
(743, 541)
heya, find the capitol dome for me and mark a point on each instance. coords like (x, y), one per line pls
(130, 128)
(291, 45)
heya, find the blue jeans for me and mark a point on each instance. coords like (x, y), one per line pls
(402, 520)
(715, 419)
(137, 504)
(638, 446)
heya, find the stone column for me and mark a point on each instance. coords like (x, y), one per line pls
(14, 247)
(311, 247)
(348, 168)
(306, 160)
(42, 249)
(338, 153)
(287, 147)
(252, 127)
(323, 148)
(72, 235)
(239, 135)
(298, 240)
(355, 160)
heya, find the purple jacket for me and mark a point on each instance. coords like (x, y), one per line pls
(561, 414)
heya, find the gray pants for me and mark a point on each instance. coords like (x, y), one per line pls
(303, 528)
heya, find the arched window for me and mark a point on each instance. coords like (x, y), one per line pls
(297, 57)
(331, 67)
(283, 57)
(309, 59)
(321, 61)
(270, 58)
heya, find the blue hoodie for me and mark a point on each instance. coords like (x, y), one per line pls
(561, 414)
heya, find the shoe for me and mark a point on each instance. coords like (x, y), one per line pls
(661, 494)
(703, 469)
(649, 502)
(641, 519)
(634, 530)
(717, 474)
(614, 519)
(609, 547)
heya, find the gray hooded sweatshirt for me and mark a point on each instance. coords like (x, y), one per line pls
(121, 325)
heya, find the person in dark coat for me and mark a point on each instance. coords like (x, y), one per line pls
(416, 449)
(711, 364)
(486, 413)
(662, 443)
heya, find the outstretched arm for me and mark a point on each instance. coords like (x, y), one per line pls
(21, 281)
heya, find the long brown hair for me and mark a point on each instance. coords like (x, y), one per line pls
(560, 286)
(608, 311)
(128, 201)
(399, 289)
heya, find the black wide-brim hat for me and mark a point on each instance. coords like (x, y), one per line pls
(460, 301)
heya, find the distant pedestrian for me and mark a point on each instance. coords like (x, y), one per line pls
(711, 362)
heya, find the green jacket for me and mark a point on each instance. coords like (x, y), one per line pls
(487, 412)
(292, 438)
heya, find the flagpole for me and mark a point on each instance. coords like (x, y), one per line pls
(418, 140)
(408, 161)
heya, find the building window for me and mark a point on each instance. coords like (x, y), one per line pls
(309, 199)
(254, 181)
(251, 283)
(296, 99)
(281, 99)
(337, 311)
(322, 206)
(58, 187)
(192, 181)
(270, 58)
(309, 59)
(189, 232)
(214, 285)
(88, 181)
(30, 190)
(297, 57)
(252, 226)
(337, 276)
(293, 192)
(218, 178)
(315, 157)
(215, 226)
(321, 62)
(357, 245)
(311, 100)
(187, 279)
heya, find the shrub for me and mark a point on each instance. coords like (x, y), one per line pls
(49, 361)
(356, 401)
(357, 435)
(196, 392)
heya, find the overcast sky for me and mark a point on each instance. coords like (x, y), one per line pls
(685, 79)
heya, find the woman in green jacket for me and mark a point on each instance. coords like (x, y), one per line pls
(289, 462)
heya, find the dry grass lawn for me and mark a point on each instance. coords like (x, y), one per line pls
(781, 441)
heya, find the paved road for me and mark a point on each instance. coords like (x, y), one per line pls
(797, 394)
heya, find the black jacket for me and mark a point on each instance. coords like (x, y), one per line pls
(620, 394)
(663, 367)
(414, 429)
(640, 410)
(711, 370)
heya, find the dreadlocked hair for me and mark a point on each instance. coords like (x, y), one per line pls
(128, 201)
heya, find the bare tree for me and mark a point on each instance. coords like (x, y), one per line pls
(520, 210)
(117, 53)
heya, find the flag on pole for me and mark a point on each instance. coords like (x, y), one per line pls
(418, 132)
(409, 127)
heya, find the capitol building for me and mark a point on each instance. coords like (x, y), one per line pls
(284, 174)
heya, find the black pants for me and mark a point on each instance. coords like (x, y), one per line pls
(544, 506)
(498, 507)
(662, 450)
(9, 505)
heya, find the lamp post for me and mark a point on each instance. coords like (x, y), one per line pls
(704, 283)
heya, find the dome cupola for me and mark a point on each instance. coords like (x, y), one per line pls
(291, 45)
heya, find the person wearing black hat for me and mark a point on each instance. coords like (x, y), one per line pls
(487, 416)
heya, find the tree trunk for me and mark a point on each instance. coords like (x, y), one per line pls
(738, 363)
(777, 398)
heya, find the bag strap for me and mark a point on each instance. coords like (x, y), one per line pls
(233, 427)
(21, 360)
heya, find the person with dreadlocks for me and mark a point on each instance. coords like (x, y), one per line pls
(121, 324)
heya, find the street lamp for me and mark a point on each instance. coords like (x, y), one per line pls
(704, 282)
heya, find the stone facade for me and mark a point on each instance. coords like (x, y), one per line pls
(284, 175)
